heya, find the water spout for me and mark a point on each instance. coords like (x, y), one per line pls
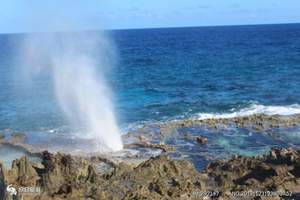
(77, 63)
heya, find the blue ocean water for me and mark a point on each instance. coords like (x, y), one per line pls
(171, 73)
(166, 73)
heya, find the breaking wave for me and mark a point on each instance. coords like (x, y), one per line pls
(252, 110)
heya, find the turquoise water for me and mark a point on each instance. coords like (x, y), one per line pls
(173, 73)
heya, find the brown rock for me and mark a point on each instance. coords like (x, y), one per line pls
(263, 173)
(69, 177)
(2, 182)
(22, 173)
(201, 140)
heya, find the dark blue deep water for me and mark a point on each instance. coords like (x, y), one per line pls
(172, 73)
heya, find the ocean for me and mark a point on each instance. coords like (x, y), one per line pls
(170, 73)
(174, 73)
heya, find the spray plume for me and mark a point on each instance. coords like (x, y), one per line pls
(76, 63)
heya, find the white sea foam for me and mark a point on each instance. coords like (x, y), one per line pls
(252, 110)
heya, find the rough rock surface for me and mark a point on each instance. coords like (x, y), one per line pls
(69, 177)
(258, 122)
(277, 171)
(201, 140)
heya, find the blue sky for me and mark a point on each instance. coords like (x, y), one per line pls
(44, 15)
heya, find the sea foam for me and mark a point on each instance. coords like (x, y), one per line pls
(252, 110)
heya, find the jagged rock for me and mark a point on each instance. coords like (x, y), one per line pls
(258, 122)
(157, 178)
(22, 173)
(60, 170)
(201, 140)
(163, 147)
(275, 172)
(70, 177)
(2, 182)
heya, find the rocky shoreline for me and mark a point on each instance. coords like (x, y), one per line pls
(62, 176)
(275, 175)
(259, 122)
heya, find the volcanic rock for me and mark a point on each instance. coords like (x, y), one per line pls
(201, 140)
(277, 171)
(63, 176)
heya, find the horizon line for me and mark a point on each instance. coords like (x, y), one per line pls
(149, 28)
(200, 26)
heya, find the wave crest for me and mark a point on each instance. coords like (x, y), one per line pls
(254, 109)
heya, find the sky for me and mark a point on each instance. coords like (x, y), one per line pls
(55, 15)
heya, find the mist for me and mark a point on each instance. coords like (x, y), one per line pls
(77, 64)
